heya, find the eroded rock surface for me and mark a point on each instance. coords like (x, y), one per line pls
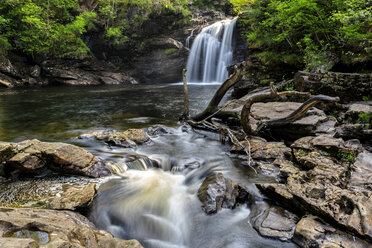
(51, 228)
(329, 183)
(36, 157)
(218, 192)
(313, 232)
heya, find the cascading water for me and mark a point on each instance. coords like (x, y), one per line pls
(211, 53)
(156, 201)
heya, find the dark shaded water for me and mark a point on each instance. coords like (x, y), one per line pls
(60, 113)
(159, 207)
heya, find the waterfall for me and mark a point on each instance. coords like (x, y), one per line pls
(211, 53)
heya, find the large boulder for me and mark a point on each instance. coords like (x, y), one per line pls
(218, 192)
(51, 228)
(333, 181)
(36, 157)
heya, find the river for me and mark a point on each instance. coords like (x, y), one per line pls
(157, 206)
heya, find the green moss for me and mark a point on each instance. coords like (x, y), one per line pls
(348, 156)
(170, 50)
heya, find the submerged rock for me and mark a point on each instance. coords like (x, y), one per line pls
(35, 157)
(51, 228)
(218, 192)
(313, 232)
(329, 183)
(128, 138)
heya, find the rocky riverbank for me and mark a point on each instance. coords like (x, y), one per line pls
(321, 195)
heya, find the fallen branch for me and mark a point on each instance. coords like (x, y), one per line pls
(186, 111)
(231, 81)
(273, 94)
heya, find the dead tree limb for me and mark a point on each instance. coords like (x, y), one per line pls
(186, 111)
(273, 94)
(213, 104)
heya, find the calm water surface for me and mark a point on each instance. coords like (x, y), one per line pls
(60, 113)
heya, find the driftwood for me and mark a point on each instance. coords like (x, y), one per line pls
(220, 93)
(272, 95)
(186, 111)
(204, 119)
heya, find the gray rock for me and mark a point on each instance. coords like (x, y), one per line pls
(218, 192)
(275, 222)
(35, 71)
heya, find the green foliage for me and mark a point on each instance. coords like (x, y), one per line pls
(312, 29)
(121, 17)
(364, 118)
(51, 27)
(348, 156)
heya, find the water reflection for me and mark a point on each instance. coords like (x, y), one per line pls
(60, 113)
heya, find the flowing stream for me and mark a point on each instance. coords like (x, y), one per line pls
(155, 201)
(211, 53)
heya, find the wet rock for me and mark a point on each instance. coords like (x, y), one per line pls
(313, 232)
(329, 184)
(158, 130)
(36, 157)
(7, 68)
(128, 138)
(275, 222)
(218, 192)
(74, 198)
(51, 228)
